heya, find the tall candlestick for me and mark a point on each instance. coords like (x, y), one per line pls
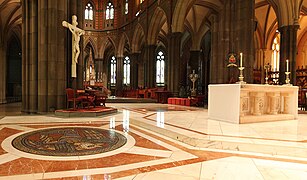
(241, 59)
(287, 63)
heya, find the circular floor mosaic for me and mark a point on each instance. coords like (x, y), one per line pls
(69, 141)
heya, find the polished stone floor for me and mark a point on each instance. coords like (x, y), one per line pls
(163, 142)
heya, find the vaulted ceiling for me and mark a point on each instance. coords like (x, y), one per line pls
(10, 17)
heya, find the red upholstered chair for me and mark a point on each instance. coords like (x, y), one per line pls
(70, 94)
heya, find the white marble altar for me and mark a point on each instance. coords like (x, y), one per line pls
(248, 103)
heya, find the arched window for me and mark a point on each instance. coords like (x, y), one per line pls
(275, 53)
(160, 69)
(88, 12)
(127, 70)
(126, 7)
(113, 71)
(110, 11)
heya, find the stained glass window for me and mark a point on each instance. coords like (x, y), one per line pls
(113, 70)
(126, 7)
(127, 70)
(89, 12)
(275, 54)
(110, 11)
(160, 66)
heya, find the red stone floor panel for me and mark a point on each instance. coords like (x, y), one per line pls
(5, 133)
(28, 166)
(145, 143)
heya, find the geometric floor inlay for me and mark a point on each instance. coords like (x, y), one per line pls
(69, 141)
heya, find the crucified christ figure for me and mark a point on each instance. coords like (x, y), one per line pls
(76, 34)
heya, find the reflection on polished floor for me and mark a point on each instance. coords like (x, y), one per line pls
(162, 141)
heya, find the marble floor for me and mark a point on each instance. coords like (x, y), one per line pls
(163, 142)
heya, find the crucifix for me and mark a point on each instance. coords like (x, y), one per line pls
(76, 34)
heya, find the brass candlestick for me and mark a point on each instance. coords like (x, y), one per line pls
(266, 67)
(241, 77)
(288, 78)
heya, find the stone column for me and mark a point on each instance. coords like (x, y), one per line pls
(3, 72)
(45, 55)
(173, 63)
(30, 56)
(288, 50)
(244, 28)
(150, 66)
(134, 70)
(51, 55)
(75, 8)
(232, 31)
(215, 72)
(194, 60)
(80, 66)
(119, 76)
(24, 42)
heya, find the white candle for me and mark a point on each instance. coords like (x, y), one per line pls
(241, 59)
(287, 63)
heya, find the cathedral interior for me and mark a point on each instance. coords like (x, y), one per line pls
(145, 51)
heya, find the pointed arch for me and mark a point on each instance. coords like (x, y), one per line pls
(108, 42)
(124, 40)
(91, 41)
(157, 21)
(138, 38)
(179, 16)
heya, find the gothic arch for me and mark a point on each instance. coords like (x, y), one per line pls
(11, 17)
(179, 16)
(124, 40)
(197, 40)
(287, 11)
(157, 21)
(301, 40)
(108, 42)
(183, 8)
(138, 38)
(91, 41)
(301, 48)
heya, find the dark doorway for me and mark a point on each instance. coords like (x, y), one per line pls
(14, 64)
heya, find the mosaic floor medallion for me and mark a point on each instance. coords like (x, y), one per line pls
(69, 141)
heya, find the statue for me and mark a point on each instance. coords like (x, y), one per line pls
(193, 78)
(76, 33)
(90, 69)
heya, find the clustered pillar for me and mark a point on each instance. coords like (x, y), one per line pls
(46, 53)
(173, 76)
(288, 50)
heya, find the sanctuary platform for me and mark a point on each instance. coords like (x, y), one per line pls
(100, 110)
(113, 99)
(249, 103)
(85, 112)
